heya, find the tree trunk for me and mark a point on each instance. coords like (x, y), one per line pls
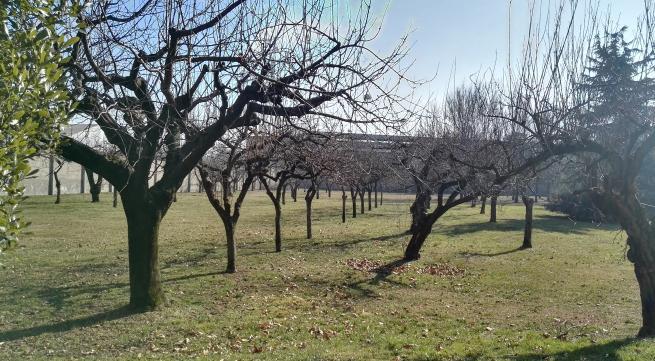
(424, 226)
(278, 226)
(115, 202)
(284, 194)
(493, 205)
(483, 206)
(51, 174)
(329, 190)
(418, 210)
(143, 220)
(343, 205)
(308, 204)
(294, 193)
(625, 207)
(82, 177)
(276, 198)
(361, 201)
(646, 279)
(380, 197)
(527, 233)
(474, 202)
(353, 198)
(421, 233)
(370, 204)
(376, 194)
(95, 195)
(57, 188)
(309, 197)
(95, 186)
(231, 246)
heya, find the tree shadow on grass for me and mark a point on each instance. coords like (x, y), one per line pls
(59, 296)
(606, 351)
(546, 223)
(318, 243)
(195, 258)
(382, 274)
(384, 271)
(475, 254)
(67, 325)
(193, 275)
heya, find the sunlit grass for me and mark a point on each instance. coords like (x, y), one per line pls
(572, 297)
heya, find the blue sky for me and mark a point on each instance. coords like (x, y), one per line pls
(466, 35)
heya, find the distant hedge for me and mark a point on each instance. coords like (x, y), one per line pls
(578, 206)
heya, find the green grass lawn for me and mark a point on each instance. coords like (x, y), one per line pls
(572, 297)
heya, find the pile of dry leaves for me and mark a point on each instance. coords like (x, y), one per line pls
(439, 269)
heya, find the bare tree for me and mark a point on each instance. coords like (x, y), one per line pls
(281, 162)
(581, 89)
(458, 153)
(219, 169)
(142, 71)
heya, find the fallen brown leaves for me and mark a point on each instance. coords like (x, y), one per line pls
(439, 269)
(317, 332)
(366, 265)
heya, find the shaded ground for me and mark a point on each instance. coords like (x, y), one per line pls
(572, 297)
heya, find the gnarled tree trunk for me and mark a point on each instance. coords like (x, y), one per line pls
(421, 232)
(419, 210)
(424, 226)
(483, 206)
(646, 278)
(627, 210)
(144, 215)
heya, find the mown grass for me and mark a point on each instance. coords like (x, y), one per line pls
(572, 297)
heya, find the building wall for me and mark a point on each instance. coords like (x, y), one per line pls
(70, 177)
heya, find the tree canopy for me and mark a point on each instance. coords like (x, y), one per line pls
(35, 102)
